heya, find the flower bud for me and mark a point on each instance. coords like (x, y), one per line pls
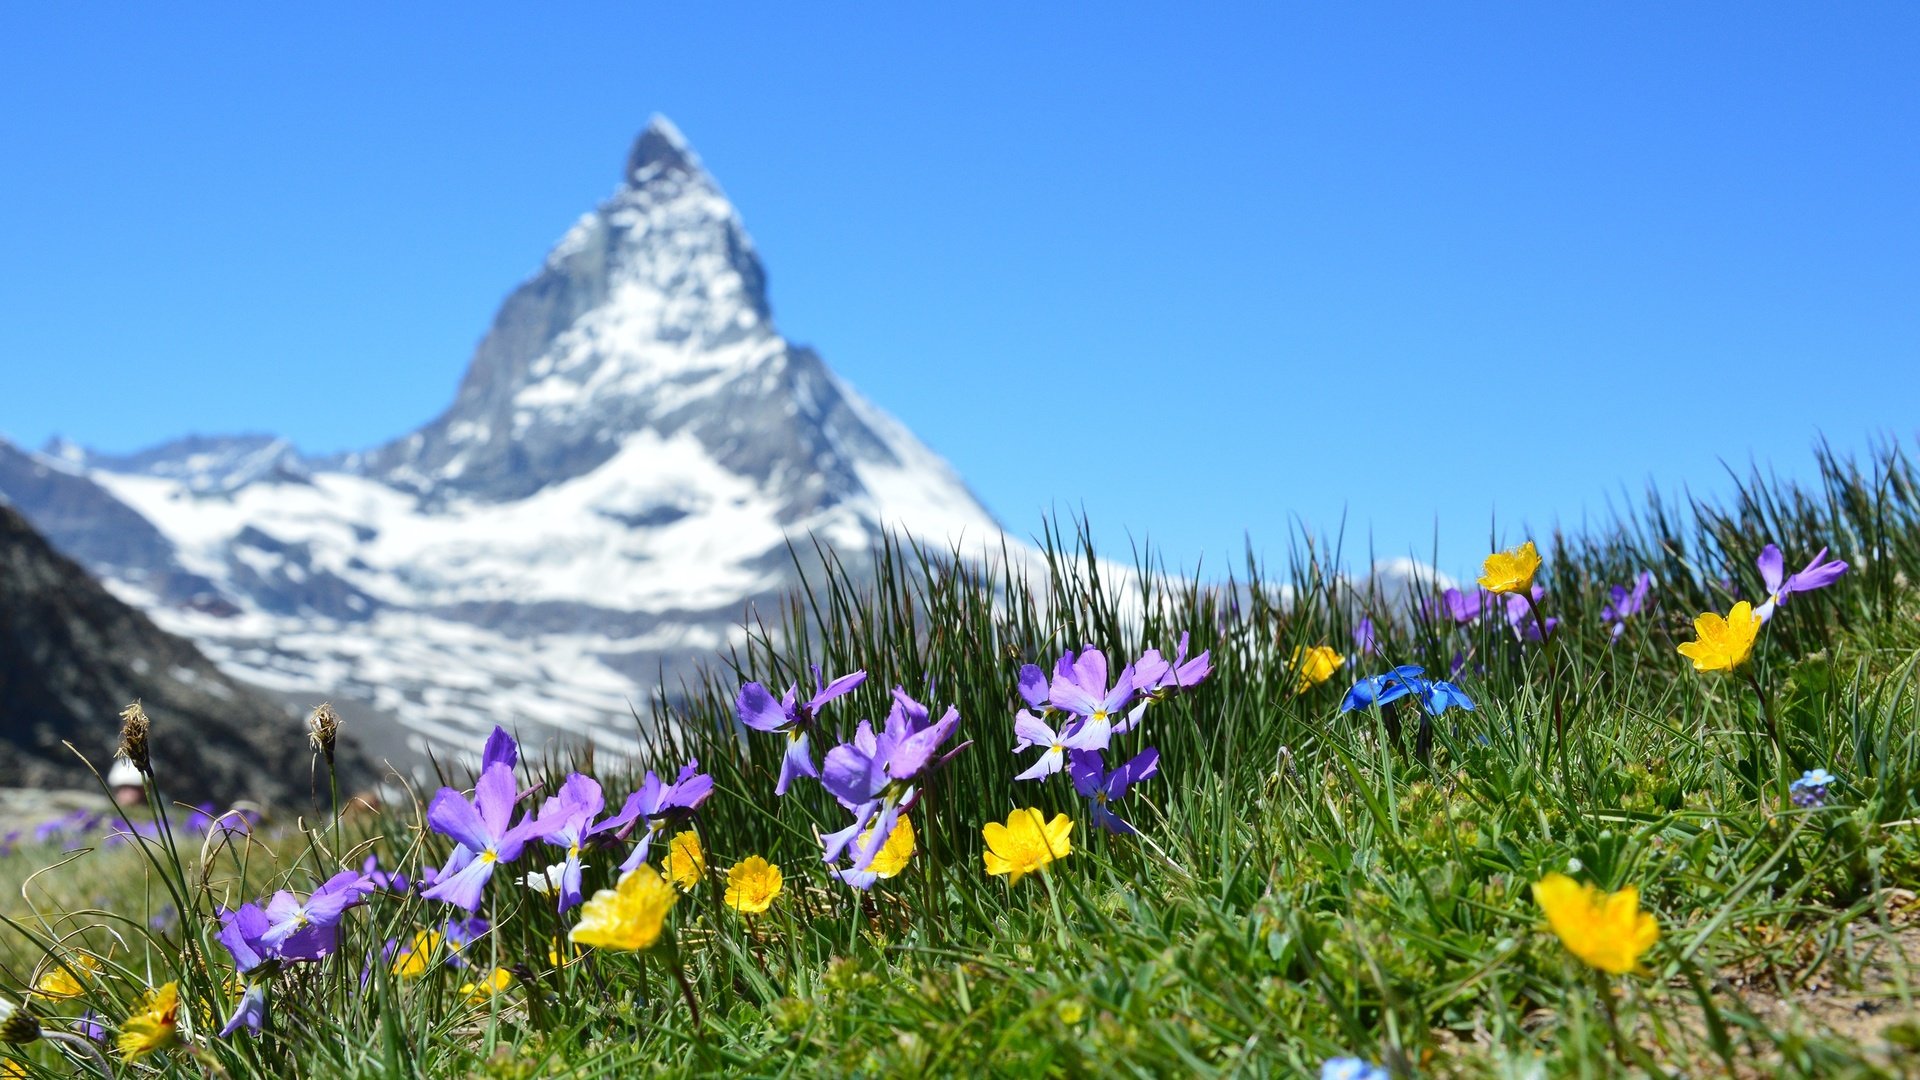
(17, 1022)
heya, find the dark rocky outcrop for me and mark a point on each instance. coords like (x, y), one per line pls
(72, 655)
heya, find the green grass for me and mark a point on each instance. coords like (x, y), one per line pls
(1306, 885)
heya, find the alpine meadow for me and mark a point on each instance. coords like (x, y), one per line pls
(1640, 801)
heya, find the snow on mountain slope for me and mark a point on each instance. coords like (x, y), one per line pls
(618, 478)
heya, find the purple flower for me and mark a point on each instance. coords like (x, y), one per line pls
(501, 749)
(380, 879)
(481, 828)
(308, 929)
(1076, 734)
(1156, 677)
(1520, 614)
(251, 1013)
(759, 711)
(1462, 607)
(1033, 687)
(864, 769)
(201, 819)
(1363, 637)
(656, 804)
(1624, 605)
(872, 775)
(241, 931)
(235, 821)
(1818, 574)
(572, 811)
(1081, 687)
(460, 933)
(1102, 789)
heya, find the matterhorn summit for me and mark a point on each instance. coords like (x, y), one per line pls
(631, 451)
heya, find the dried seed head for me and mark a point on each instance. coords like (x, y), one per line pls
(17, 1022)
(323, 728)
(134, 728)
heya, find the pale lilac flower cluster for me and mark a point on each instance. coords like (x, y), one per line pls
(875, 776)
(1075, 714)
(487, 837)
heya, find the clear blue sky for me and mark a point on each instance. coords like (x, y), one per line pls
(1201, 276)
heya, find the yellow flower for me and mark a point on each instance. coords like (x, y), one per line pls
(1724, 643)
(414, 960)
(11, 1068)
(560, 955)
(1026, 843)
(893, 855)
(155, 1027)
(1315, 667)
(479, 992)
(1510, 571)
(752, 884)
(62, 981)
(686, 862)
(1606, 930)
(628, 916)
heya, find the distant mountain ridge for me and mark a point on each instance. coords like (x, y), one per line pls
(615, 483)
(71, 656)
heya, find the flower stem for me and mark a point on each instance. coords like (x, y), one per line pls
(1605, 998)
(1553, 678)
(84, 1045)
(686, 990)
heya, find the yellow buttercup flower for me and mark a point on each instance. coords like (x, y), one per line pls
(413, 960)
(155, 1027)
(686, 862)
(1606, 930)
(1724, 644)
(479, 992)
(1510, 571)
(560, 955)
(893, 855)
(629, 916)
(62, 981)
(752, 884)
(1314, 666)
(1026, 843)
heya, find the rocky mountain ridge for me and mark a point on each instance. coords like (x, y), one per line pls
(616, 484)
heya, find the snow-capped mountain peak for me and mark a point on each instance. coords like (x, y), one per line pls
(660, 149)
(618, 477)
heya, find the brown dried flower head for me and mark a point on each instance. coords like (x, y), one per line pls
(134, 729)
(323, 728)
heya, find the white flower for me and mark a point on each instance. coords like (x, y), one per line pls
(545, 882)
